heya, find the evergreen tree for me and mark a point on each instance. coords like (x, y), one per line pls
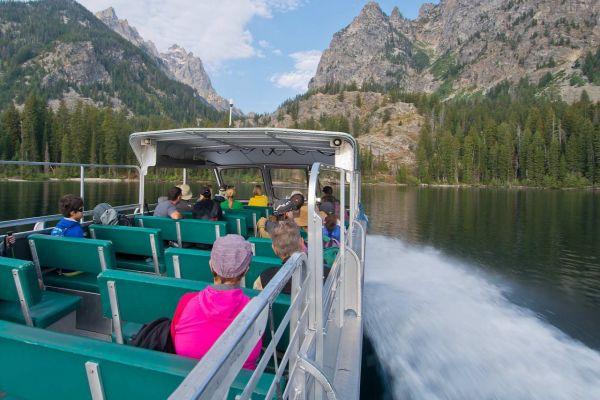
(29, 131)
(10, 131)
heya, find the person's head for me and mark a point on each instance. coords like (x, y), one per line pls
(230, 193)
(205, 193)
(298, 199)
(71, 206)
(174, 194)
(328, 190)
(186, 192)
(327, 207)
(283, 209)
(330, 222)
(229, 259)
(257, 191)
(286, 239)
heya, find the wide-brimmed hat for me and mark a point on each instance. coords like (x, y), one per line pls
(230, 256)
(186, 192)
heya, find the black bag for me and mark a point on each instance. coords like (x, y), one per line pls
(155, 335)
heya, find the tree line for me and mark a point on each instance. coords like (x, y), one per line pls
(512, 135)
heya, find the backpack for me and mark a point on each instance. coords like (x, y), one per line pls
(155, 335)
(105, 214)
(331, 248)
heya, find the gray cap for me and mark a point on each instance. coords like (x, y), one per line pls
(231, 256)
(327, 207)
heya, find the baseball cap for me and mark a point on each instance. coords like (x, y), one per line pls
(282, 206)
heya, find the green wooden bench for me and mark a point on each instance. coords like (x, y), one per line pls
(22, 300)
(200, 231)
(252, 216)
(169, 228)
(262, 247)
(88, 256)
(131, 299)
(130, 242)
(264, 211)
(236, 224)
(193, 264)
(41, 364)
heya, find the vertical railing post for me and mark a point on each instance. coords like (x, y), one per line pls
(82, 185)
(315, 264)
(185, 175)
(340, 294)
(141, 189)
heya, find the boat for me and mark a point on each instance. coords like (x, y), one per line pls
(312, 343)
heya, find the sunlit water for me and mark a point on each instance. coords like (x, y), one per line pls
(444, 330)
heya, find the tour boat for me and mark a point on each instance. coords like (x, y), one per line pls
(67, 336)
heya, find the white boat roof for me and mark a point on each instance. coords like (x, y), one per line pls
(216, 147)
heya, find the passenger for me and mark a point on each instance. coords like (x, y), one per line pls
(282, 210)
(230, 202)
(219, 198)
(71, 207)
(168, 208)
(328, 196)
(286, 241)
(258, 199)
(186, 195)
(206, 208)
(8, 243)
(201, 317)
(331, 229)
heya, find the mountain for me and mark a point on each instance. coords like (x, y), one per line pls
(176, 62)
(59, 50)
(463, 46)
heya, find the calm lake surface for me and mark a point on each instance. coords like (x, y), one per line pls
(469, 293)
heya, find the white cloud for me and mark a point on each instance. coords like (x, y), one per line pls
(278, 52)
(264, 44)
(214, 30)
(305, 66)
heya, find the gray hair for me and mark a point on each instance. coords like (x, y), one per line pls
(286, 238)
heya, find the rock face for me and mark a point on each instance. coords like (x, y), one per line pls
(176, 62)
(465, 45)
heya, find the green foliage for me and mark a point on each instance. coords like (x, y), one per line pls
(32, 29)
(591, 67)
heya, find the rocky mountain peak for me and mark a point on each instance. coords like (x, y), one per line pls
(176, 62)
(371, 10)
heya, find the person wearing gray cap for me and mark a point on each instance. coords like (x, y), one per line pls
(201, 317)
(282, 210)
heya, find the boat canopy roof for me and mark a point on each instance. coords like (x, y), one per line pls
(219, 147)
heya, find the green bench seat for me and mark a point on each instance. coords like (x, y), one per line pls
(88, 256)
(52, 365)
(190, 230)
(22, 300)
(236, 224)
(193, 264)
(262, 247)
(138, 249)
(264, 211)
(252, 217)
(168, 227)
(200, 231)
(141, 298)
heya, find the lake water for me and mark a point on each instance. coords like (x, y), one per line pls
(469, 293)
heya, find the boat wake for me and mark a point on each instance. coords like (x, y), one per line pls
(442, 331)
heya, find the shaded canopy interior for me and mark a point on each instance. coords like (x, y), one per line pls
(199, 147)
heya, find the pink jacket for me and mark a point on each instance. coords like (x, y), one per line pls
(201, 317)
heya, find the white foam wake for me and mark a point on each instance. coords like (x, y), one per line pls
(443, 331)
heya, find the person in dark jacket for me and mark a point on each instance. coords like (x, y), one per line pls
(71, 207)
(206, 208)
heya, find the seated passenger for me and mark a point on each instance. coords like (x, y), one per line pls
(71, 207)
(230, 202)
(282, 210)
(186, 195)
(206, 208)
(168, 208)
(258, 199)
(328, 196)
(201, 317)
(331, 229)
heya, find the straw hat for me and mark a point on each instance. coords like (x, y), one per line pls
(302, 219)
(186, 192)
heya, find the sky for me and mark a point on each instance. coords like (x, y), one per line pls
(257, 52)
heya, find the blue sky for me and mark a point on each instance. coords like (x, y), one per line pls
(257, 52)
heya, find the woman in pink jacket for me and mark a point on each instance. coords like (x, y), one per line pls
(201, 317)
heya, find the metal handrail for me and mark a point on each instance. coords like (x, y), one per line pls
(213, 375)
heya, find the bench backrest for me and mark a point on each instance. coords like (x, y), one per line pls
(262, 247)
(252, 216)
(193, 264)
(236, 224)
(56, 363)
(167, 226)
(25, 271)
(77, 254)
(202, 231)
(131, 240)
(264, 211)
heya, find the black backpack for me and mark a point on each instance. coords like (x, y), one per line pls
(155, 335)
